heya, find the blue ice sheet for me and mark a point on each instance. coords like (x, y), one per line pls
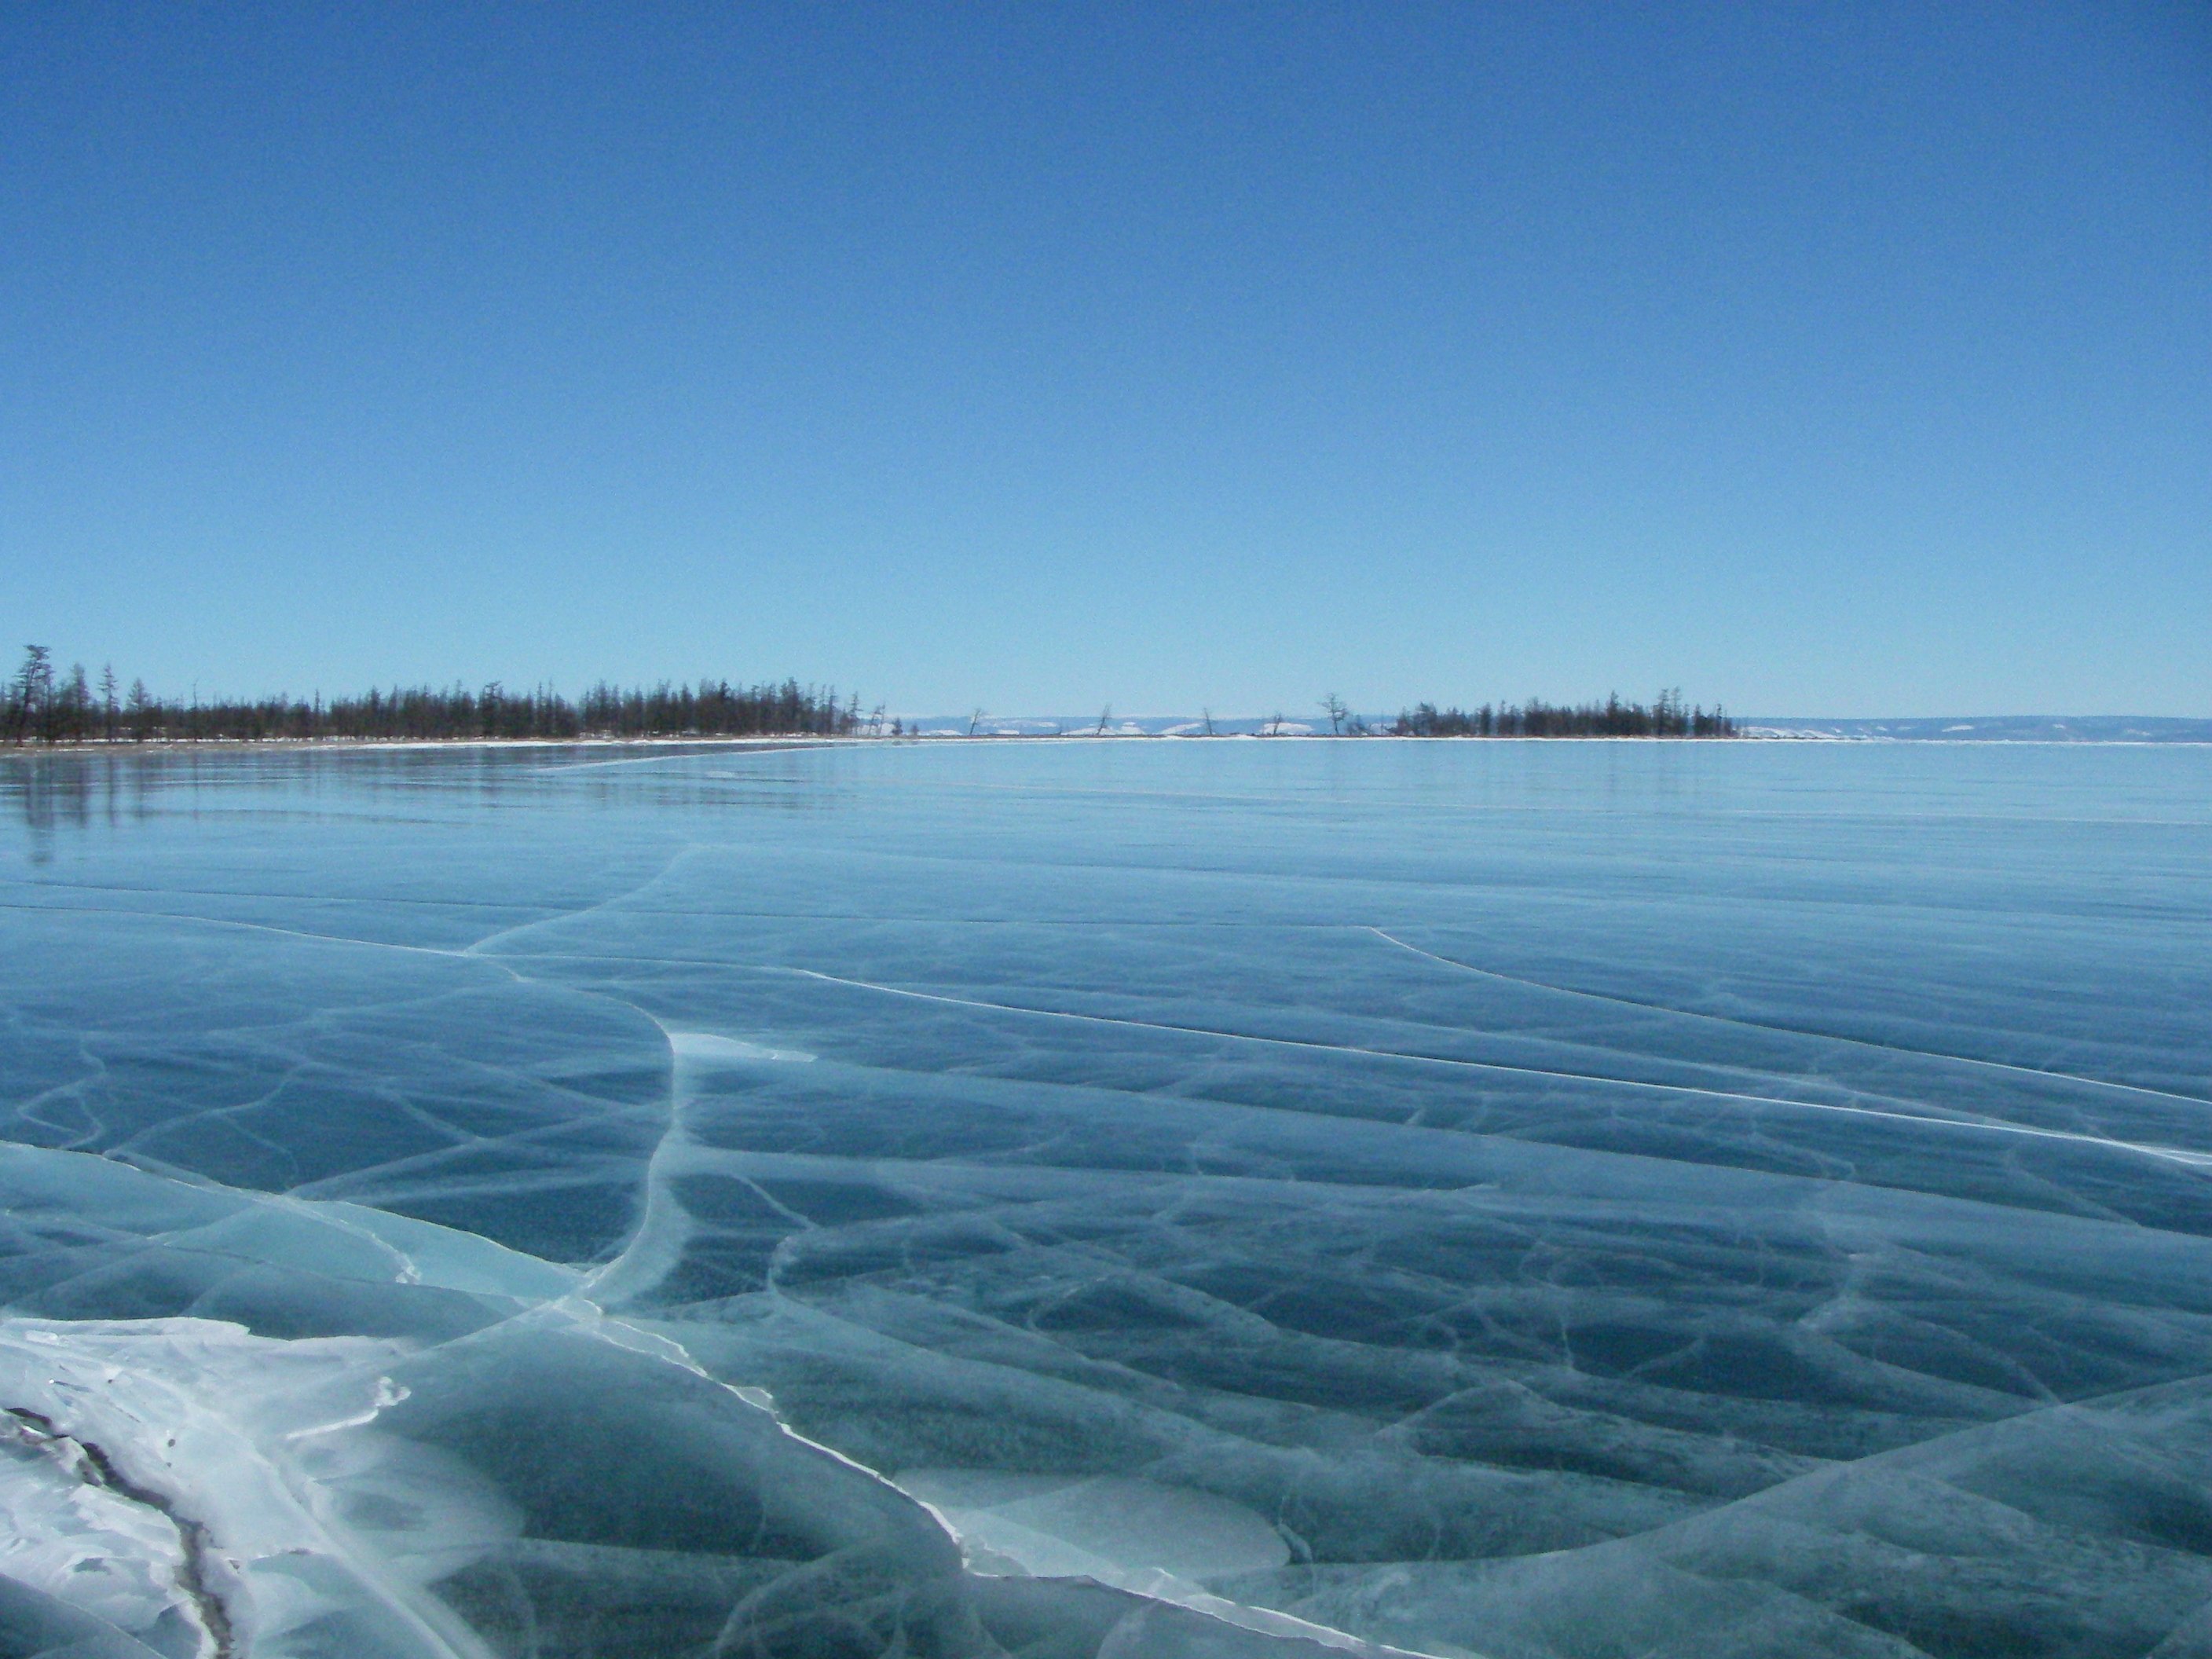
(1542, 1200)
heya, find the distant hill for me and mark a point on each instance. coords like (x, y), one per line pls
(1992, 728)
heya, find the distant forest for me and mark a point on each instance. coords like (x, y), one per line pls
(1669, 717)
(43, 705)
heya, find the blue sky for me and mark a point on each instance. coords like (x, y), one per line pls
(1850, 360)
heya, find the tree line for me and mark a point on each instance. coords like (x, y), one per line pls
(1667, 717)
(43, 704)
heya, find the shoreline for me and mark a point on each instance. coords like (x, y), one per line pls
(123, 746)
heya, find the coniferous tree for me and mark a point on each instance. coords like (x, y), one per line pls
(76, 706)
(140, 712)
(33, 696)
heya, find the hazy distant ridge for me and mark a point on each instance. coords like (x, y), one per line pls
(1986, 728)
(1993, 728)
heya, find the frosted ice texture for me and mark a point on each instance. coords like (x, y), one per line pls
(1539, 1201)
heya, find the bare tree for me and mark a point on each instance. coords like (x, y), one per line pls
(1332, 706)
(1104, 715)
(974, 721)
(1207, 714)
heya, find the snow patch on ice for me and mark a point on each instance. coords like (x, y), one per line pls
(1110, 1529)
(708, 1048)
(1157, 1541)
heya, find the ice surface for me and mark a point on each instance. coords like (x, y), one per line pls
(1107, 1200)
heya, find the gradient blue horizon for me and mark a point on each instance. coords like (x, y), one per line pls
(1845, 360)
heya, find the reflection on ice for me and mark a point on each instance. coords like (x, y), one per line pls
(1080, 1202)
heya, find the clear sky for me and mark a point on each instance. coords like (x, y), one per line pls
(1843, 360)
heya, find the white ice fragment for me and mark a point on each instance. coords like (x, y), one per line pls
(157, 1476)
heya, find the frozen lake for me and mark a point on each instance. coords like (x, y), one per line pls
(1541, 1201)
